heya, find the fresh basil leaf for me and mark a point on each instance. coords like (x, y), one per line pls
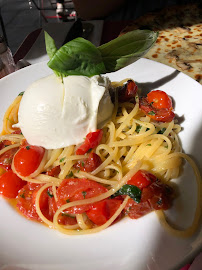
(161, 131)
(51, 49)
(50, 45)
(127, 48)
(130, 190)
(78, 57)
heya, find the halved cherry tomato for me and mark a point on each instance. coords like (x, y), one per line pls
(26, 201)
(75, 189)
(4, 143)
(142, 179)
(89, 164)
(10, 184)
(128, 91)
(28, 159)
(159, 99)
(155, 196)
(92, 140)
(102, 211)
(6, 158)
(17, 131)
(162, 115)
(54, 171)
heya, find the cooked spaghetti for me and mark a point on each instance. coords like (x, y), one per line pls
(132, 143)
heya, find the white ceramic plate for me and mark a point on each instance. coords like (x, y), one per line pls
(130, 244)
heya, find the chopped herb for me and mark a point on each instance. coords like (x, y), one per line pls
(147, 129)
(84, 194)
(67, 215)
(130, 190)
(151, 103)
(49, 194)
(151, 113)
(21, 93)
(22, 195)
(138, 128)
(78, 171)
(89, 150)
(82, 164)
(27, 147)
(166, 146)
(62, 159)
(162, 131)
(67, 200)
(10, 121)
(70, 174)
(159, 202)
(149, 144)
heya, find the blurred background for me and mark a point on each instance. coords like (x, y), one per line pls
(20, 17)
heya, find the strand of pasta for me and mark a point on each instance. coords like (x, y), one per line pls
(191, 229)
(9, 147)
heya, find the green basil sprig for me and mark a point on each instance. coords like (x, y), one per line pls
(130, 190)
(127, 48)
(81, 57)
(78, 57)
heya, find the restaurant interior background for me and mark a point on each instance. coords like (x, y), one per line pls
(21, 17)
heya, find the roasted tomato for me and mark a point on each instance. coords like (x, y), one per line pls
(158, 106)
(10, 184)
(92, 140)
(27, 159)
(128, 91)
(155, 195)
(78, 189)
(142, 179)
(102, 211)
(89, 164)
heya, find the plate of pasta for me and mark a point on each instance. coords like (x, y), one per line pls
(127, 195)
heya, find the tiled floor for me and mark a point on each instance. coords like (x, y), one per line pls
(21, 17)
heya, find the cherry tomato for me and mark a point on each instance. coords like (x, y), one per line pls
(159, 195)
(162, 115)
(155, 196)
(10, 184)
(102, 211)
(4, 143)
(26, 201)
(28, 159)
(6, 158)
(17, 131)
(78, 189)
(54, 171)
(89, 164)
(92, 140)
(128, 91)
(159, 99)
(142, 179)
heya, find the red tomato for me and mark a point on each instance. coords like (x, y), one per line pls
(28, 159)
(17, 131)
(92, 140)
(26, 201)
(155, 196)
(6, 158)
(128, 91)
(10, 184)
(159, 99)
(54, 171)
(159, 195)
(162, 115)
(102, 211)
(78, 189)
(4, 143)
(89, 164)
(142, 179)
